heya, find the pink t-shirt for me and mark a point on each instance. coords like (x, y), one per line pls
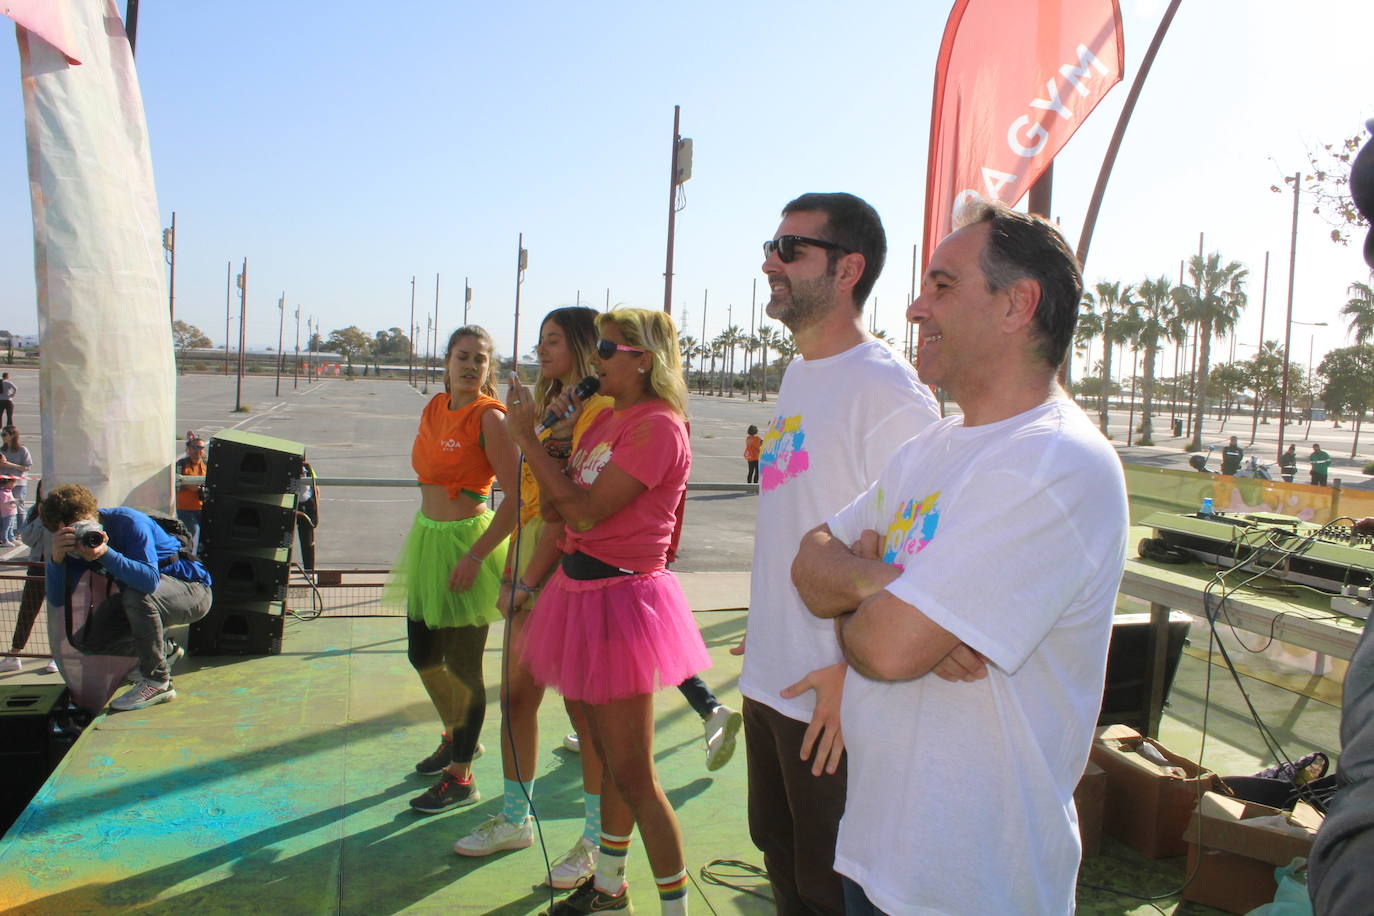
(649, 442)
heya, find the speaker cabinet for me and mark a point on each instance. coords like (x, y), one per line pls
(1126, 698)
(240, 462)
(236, 522)
(239, 628)
(251, 574)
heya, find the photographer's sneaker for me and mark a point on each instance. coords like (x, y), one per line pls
(145, 693)
(448, 792)
(496, 834)
(174, 654)
(721, 727)
(575, 865)
(11, 663)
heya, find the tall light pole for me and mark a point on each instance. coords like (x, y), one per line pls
(429, 330)
(281, 321)
(1288, 323)
(679, 172)
(228, 276)
(169, 245)
(522, 261)
(243, 314)
(296, 366)
(410, 331)
(467, 299)
(434, 332)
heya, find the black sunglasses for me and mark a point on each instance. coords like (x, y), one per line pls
(786, 246)
(608, 348)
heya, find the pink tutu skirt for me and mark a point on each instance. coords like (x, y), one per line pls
(601, 640)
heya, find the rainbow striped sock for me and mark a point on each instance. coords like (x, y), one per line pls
(672, 894)
(610, 865)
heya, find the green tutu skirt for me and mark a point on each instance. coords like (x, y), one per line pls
(419, 579)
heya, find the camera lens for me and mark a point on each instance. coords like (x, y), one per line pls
(92, 539)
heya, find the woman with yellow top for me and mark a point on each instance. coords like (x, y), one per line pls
(567, 354)
(449, 571)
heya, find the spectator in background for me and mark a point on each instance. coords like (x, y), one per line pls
(1288, 463)
(9, 514)
(31, 532)
(1321, 463)
(307, 514)
(1231, 457)
(16, 461)
(753, 445)
(7, 393)
(191, 498)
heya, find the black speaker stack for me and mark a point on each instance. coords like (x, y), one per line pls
(246, 530)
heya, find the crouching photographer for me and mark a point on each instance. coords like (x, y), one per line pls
(161, 584)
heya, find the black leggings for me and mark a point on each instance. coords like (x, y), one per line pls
(752, 476)
(459, 651)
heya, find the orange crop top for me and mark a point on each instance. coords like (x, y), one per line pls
(448, 448)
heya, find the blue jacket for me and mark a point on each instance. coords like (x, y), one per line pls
(135, 548)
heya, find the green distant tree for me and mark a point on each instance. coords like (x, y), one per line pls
(1349, 388)
(1225, 383)
(348, 343)
(1265, 372)
(391, 343)
(1212, 303)
(187, 336)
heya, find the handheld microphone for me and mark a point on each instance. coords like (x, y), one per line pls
(585, 389)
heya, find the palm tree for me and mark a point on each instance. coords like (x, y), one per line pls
(1155, 320)
(1089, 327)
(687, 345)
(731, 338)
(768, 336)
(1111, 304)
(1213, 303)
(1360, 309)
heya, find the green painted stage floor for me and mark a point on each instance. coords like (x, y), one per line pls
(279, 785)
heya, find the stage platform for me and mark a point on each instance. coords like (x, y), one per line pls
(279, 785)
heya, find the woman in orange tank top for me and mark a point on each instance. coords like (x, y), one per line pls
(449, 571)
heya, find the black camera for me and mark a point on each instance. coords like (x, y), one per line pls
(89, 533)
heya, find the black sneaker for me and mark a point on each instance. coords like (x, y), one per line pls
(434, 764)
(587, 899)
(447, 793)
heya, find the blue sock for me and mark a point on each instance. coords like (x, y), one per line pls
(591, 828)
(518, 795)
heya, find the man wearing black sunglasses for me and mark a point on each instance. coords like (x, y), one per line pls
(844, 406)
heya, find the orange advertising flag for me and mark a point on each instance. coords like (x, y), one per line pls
(1012, 83)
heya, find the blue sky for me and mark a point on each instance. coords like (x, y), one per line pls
(343, 154)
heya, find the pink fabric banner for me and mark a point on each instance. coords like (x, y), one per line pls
(46, 19)
(1012, 83)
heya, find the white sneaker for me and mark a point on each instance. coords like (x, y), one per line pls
(11, 663)
(144, 693)
(574, 866)
(495, 834)
(721, 727)
(50, 667)
(572, 743)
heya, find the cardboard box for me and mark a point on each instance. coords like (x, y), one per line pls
(1089, 797)
(1147, 805)
(1240, 845)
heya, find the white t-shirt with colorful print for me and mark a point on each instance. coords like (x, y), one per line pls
(835, 423)
(1012, 537)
